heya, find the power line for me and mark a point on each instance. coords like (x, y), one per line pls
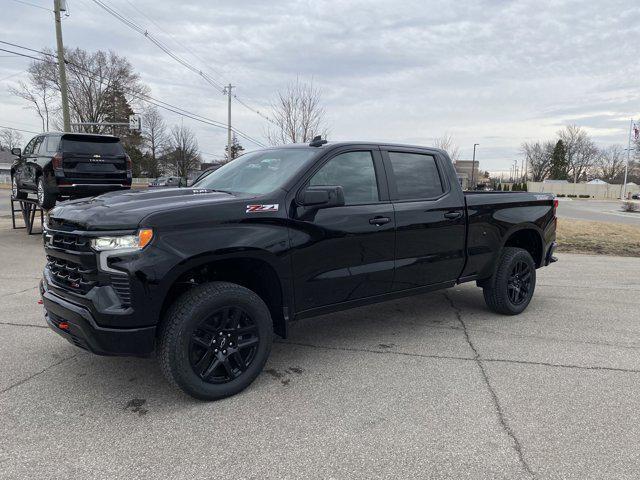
(19, 54)
(19, 129)
(168, 51)
(145, 97)
(33, 5)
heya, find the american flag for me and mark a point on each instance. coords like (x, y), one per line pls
(636, 131)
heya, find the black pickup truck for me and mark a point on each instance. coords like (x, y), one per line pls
(205, 275)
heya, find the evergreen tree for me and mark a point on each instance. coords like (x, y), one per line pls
(559, 162)
(236, 150)
(499, 187)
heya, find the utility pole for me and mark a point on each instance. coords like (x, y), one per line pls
(473, 166)
(227, 91)
(626, 166)
(57, 7)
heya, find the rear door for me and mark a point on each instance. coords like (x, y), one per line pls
(344, 253)
(31, 162)
(20, 173)
(93, 159)
(430, 218)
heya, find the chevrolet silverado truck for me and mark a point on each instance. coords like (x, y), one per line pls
(204, 276)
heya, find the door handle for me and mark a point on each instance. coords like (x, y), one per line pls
(453, 215)
(379, 221)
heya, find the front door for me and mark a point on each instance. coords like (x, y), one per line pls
(345, 253)
(430, 219)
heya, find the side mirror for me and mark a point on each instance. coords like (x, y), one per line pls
(16, 151)
(322, 197)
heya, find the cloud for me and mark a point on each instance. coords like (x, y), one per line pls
(491, 72)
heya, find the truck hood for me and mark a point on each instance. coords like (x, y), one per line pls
(125, 210)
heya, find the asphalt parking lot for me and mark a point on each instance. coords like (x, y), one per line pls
(596, 211)
(433, 386)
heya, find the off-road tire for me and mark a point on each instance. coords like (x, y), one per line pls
(15, 191)
(496, 289)
(46, 198)
(185, 316)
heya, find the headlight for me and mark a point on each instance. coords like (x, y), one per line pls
(131, 242)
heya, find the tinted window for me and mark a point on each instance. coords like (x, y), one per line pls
(416, 175)
(92, 146)
(36, 146)
(29, 148)
(52, 143)
(259, 172)
(353, 171)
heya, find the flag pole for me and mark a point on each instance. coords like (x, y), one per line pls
(626, 166)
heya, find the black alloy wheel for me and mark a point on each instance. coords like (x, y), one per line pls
(215, 340)
(519, 283)
(511, 287)
(224, 345)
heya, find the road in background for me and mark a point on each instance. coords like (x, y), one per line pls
(596, 211)
(434, 386)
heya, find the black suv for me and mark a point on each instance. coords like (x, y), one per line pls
(55, 165)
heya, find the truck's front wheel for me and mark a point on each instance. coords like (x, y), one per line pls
(215, 340)
(511, 288)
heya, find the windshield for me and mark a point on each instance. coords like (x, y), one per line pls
(258, 172)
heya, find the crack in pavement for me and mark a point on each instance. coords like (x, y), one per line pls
(494, 396)
(455, 357)
(23, 325)
(16, 293)
(25, 380)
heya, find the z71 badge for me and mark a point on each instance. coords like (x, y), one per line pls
(262, 208)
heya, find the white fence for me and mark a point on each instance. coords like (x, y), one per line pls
(609, 191)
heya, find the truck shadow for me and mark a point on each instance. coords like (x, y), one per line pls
(424, 324)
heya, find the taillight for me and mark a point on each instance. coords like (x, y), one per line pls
(56, 160)
(129, 163)
(555, 205)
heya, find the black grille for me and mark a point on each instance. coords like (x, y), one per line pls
(120, 284)
(68, 274)
(68, 241)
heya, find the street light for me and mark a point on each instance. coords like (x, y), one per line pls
(473, 166)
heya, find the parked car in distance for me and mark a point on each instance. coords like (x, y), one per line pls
(206, 275)
(635, 196)
(167, 182)
(69, 165)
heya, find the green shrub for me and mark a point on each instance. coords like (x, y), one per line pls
(572, 196)
(560, 195)
(584, 196)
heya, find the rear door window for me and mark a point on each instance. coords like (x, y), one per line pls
(416, 176)
(51, 144)
(106, 147)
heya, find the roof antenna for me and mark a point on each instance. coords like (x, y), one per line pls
(317, 141)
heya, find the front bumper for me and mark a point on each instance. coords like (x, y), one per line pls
(81, 329)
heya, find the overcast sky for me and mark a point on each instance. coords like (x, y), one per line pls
(495, 73)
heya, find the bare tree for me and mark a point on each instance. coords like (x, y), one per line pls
(538, 157)
(155, 136)
(581, 152)
(99, 84)
(182, 155)
(38, 92)
(447, 144)
(297, 115)
(610, 164)
(10, 139)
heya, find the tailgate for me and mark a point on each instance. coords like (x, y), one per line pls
(86, 156)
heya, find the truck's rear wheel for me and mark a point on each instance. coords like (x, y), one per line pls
(15, 191)
(511, 288)
(46, 198)
(215, 340)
